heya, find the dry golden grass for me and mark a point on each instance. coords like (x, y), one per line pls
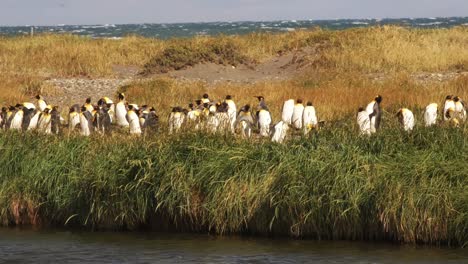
(337, 84)
(334, 97)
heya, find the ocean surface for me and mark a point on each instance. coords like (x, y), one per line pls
(165, 31)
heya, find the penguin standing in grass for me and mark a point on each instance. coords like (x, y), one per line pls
(121, 111)
(74, 117)
(451, 117)
(245, 121)
(280, 132)
(194, 116)
(430, 114)
(133, 121)
(460, 108)
(41, 103)
(449, 103)
(222, 114)
(55, 120)
(363, 121)
(103, 118)
(232, 112)
(309, 118)
(110, 105)
(406, 119)
(264, 122)
(375, 113)
(16, 119)
(176, 119)
(44, 124)
(86, 122)
(298, 111)
(151, 122)
(287, 111)
(29, 112)
(11, 110)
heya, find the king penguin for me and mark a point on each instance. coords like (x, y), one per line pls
(375, 113)
(309, 118)
(133, 121)
(280, 132)
(16, 119)
(406, 119)
(363, 121)
(232, 112)
(176, 119)
(245, 121)
(460, 108)
(86, 122)
(430, 114)
(44, 124)
(298, 111)
(449, 103)
(151, 122)
(121, 111)
(41, 102)
(287, 111)
(264, 122)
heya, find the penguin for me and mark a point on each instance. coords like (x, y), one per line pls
(222, 114)
(406, 119)
(199, 105)
(287, 111)
(245, 121)
(151, 121)
(194, 116)
(29, 105)
(102, 119)
(205, 99)
(121, 112)
(212, 121)
(363, 121)
(449, 103)
(55, 120)
(261, 103)
(430, 114)
(89, 107)
(28, 115)
(297, 114)
(41, 102)
(451, 117)
(143, 115)
(74, 117)
(176, 119)
(280, 132)
(44, 124)
(375, 113)
(11, 111)
(133, 120)
(309, 118)
(232, 112)
(110, 105)
(16, 119)
(86, 122)
(264, 121)
(460, 108)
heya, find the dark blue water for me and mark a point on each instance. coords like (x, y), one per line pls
(165, 31)
(22, 246)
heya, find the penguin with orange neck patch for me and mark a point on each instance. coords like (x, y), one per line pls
(375, 113)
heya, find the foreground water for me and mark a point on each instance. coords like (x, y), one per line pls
(165, 31)
(27, 246)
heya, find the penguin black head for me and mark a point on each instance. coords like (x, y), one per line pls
(299, 101)
(47, 110)
(198, 102)
(205, 96)
(121, 96)
(101, 102)
(83, 108)
(190, 105)
(456, 98)
(11, 108)
(448, 97)
(55, 108)
(88, 100)
(309, 103)
(72, 110)
(185, 111)
(378, 99)
(152, 109)
(228, 97)
(360, 109)
(245, 108)
(4, 109)
(206, 105)
(260, 98)
(223, 107)
(38, 97)
(96, 107)
(130, 107)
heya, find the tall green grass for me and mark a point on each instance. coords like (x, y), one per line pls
(395, 186)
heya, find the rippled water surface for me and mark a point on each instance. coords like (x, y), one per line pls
(228, 28)
(27, 246)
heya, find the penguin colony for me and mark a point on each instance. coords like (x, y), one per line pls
(207, 115)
